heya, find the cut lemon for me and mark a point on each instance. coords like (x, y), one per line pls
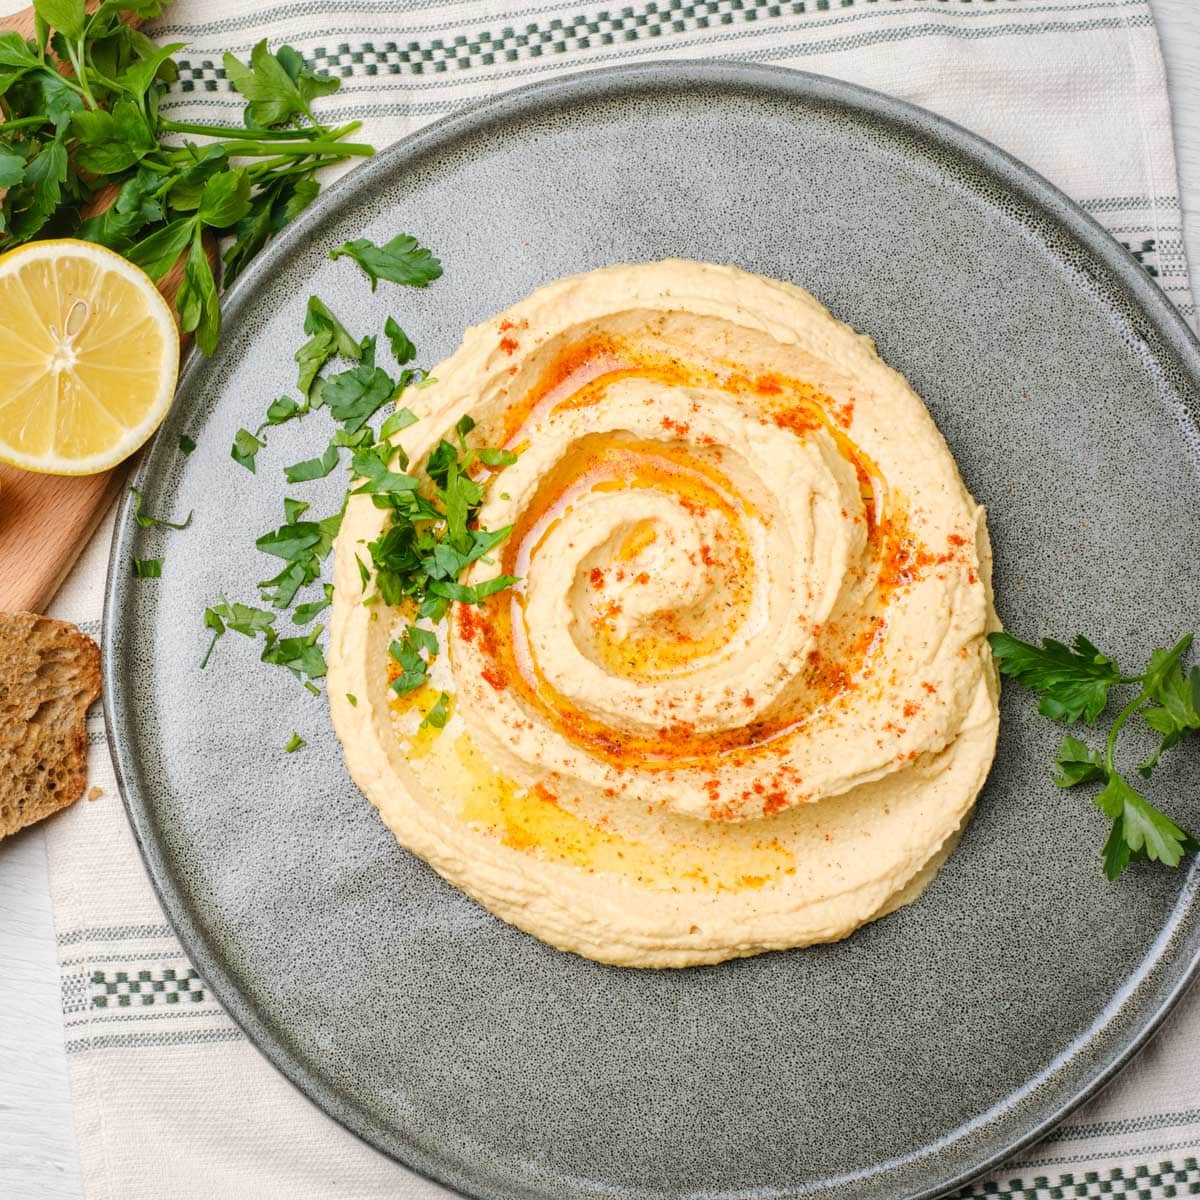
(89, 355)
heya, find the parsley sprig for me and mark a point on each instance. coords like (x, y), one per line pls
(66, 137)
(1075, 683)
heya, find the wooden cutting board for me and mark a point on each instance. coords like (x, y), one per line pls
(46, 520)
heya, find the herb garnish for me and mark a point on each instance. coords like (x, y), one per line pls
(147, 568)
(64, 137)
(242, 618)
(245, 447)
(402, 260)
(148, 522)
(438, 714)
(1074, 683)
(294, 743)
(431, 536)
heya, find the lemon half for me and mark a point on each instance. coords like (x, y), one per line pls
(89, 356)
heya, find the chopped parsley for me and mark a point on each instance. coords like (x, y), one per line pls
(431, 536)
(147, 568)
(148, 522)
(438, 714)
(245, 447)
(294, 743)
(312, 468)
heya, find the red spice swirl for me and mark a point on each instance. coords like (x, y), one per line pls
(736, 595)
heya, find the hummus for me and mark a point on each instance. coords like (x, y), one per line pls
(741, 697)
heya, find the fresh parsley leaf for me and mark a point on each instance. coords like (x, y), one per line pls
(293, 510)
(147, 522)
(225, 199)
(329, 527)
(281, 589)
(1175, 711)
(213, 621)
(245, 447)
(401, 419)
(438, 714)
(294, 743)
(15, 52)
(197, 301)
(1072, 681)
(186, 187)
(423, 639)
(309, 83)
(40, 192)
(67, 16)
(403, 350)
(137, 78)
(495, 458)
(157, 253)
(353, 699)
(1078, 763)
(281, 410)
(358, 440)
(468, 594)
(288, 541)
(377, 478)
(108, 143)
(402, 260)
(318, 319)
(311, 357)
(355, 396)
(303, 613)
(312, 468)
(147, 568)
(406, 651)
(12, 167)
(301, 655)
(244, 618)
(1139, 829)
(274, 95)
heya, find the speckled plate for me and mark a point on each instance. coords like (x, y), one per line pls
(898, 1063)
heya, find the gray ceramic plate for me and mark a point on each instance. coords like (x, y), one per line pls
(897, 1063)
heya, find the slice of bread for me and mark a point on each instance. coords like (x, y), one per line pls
(49, 674)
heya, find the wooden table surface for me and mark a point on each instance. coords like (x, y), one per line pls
(38, 1158)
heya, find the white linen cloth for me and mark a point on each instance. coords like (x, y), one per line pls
(169, 1097)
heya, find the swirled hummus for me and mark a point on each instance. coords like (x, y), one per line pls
(740, 698)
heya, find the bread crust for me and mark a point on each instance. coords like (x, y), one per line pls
(49, 676)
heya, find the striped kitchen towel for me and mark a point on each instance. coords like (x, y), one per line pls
(169, 1098)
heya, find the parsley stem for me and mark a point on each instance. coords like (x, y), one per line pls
(1123, 716)
(234, 133)
(75, 55)
(24, 122)
(238, 149)
(275, 167)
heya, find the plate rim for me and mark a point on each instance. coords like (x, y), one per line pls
(584, 86)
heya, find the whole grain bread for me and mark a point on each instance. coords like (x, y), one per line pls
(49, 674)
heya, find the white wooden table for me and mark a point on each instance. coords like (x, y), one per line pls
(38, 1158)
